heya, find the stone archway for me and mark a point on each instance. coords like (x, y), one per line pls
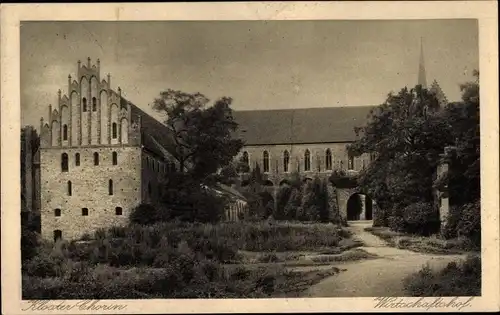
(344, 196)
(359, 207)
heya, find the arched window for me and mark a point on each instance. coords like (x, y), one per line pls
(85, 211)
(96, 158)
(286, 161)
(69, 188)
(84, 104)
(114, 131)
(118, 211)
(65, 132)
(266, 161)
(110, 187)
(57, 212)
(307, 161)
(64, 162)
(350, 162)
(77, 159)
(94, 104)
(115, 158)
(328, 159)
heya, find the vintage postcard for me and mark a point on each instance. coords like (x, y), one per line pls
(249, 157)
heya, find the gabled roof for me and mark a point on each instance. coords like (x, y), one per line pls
(156, 137)
(304, 125)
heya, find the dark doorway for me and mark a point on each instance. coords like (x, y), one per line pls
(57, 235)
(368, 208)
(354, 208)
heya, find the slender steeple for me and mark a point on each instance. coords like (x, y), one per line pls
(421, 67)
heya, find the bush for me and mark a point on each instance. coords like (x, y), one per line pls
(396, 223)
(30, 241)
(340, 179)
(463, 279)
(421, 218)
(469, 224)
(464, 221)
(144, 214)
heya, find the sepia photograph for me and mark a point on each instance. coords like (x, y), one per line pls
(250, 159)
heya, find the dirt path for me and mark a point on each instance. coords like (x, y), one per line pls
(376, 277)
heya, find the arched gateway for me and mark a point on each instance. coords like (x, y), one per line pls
(355, 205)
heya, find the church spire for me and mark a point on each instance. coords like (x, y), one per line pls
(422, 81)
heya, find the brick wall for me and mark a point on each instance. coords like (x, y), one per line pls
(297, 157)
(90, 185)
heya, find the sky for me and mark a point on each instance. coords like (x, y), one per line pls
(260, 64)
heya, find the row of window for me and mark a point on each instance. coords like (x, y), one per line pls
(94, 104)
(70, 187)
(65, 164)
(307, 160)
(114, 131)
(85, 211)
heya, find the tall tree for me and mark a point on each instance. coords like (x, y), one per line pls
(407, 135)
(463, 118)
(203, 135)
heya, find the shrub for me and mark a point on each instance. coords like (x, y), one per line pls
(457, 279)
(464, 221)
(340, 179)
(144, 214)
(420, 218)
(469, 224)
(41, 266)
(396, 223)
(30, 241)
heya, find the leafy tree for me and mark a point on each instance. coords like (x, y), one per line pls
(402, 132)
(463, 117)
(202, 134)
(228, 174)
(189, 200)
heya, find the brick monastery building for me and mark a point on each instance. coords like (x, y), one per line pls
(100, 155)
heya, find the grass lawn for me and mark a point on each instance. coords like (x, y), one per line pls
(430, 245)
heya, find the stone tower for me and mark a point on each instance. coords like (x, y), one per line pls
(90, 157)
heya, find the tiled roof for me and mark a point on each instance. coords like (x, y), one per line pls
(156, 137)
(305, 125)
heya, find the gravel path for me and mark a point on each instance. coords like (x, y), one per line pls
(376, 277)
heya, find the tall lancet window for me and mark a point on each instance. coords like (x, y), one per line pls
(64, 162)
(96, 158)
(94, 104)
(266, 161)
(65, 132)
(328, 159)
(286, 161)
(114, 131)
(84, 104)
(110, 187)
(307, 161)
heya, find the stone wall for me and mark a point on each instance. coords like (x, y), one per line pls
(297, 158)
(89, 189)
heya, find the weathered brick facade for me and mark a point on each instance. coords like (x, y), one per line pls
(98, 158)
